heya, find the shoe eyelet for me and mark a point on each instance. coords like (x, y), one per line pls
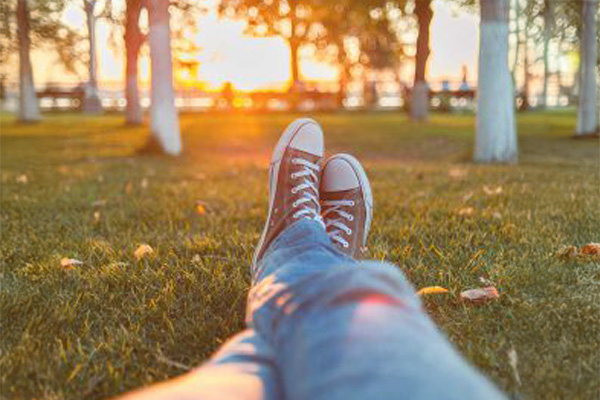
(350, 218)
(294, 191)
(293, 176)
(345, 245)
(295, 204)
(349, 231)
(352, 203)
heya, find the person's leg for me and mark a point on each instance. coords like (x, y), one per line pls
(348, 330)
(244, 368)
(342, 329)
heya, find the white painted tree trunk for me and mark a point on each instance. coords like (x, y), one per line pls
(419, 110)
(548, 33)
(496, 137)
(91, 100)
(29, 110)
(587, 117)
(164, 118)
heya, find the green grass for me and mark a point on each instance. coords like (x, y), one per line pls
(113, 323)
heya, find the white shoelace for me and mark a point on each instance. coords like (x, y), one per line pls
(335, 207)
(308, 188)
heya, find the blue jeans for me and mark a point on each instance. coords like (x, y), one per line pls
(324, 326)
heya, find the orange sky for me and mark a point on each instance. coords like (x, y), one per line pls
(262, 63)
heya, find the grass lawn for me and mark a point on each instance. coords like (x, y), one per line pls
(115, 323)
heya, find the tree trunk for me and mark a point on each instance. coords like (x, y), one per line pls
(91, 100)
(133, 42)
(548, 28)
(294, 93)
(343, 74)
(294, 63)
(496, 137)
(420, 93)
(370, 96)
(513, 70)
(544, 99)
(29, 110)
(525, 93)
(295, 89)
(587, 117)
(164, 118)
(342, 87)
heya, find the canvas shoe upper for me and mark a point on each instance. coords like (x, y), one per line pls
(294, 178)
(346, 203)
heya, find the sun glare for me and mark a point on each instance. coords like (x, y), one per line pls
(227, 54)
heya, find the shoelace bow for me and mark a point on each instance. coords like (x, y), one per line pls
(336, 226)
(309, 190)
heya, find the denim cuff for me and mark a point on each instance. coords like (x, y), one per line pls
(302, 233)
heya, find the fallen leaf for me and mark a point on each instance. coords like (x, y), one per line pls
(466, 211)
(196, 258)
(144, 183)
(200, 176)
(96, 216)
(22, 179)
(63, 169)
(567, 252)
(457, 173)
(468, 196)
(480, 295)
(591, 249)
(200, 207)
(142, 251)
(512, 361)
(432, 290)
(69, 263)
(496, 215)
(99, 203)
(491, 191)
(128, 188)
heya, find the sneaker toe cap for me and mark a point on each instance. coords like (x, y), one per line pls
(309, 138)
(339, 175)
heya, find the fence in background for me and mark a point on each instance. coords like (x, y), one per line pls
(444, 96)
